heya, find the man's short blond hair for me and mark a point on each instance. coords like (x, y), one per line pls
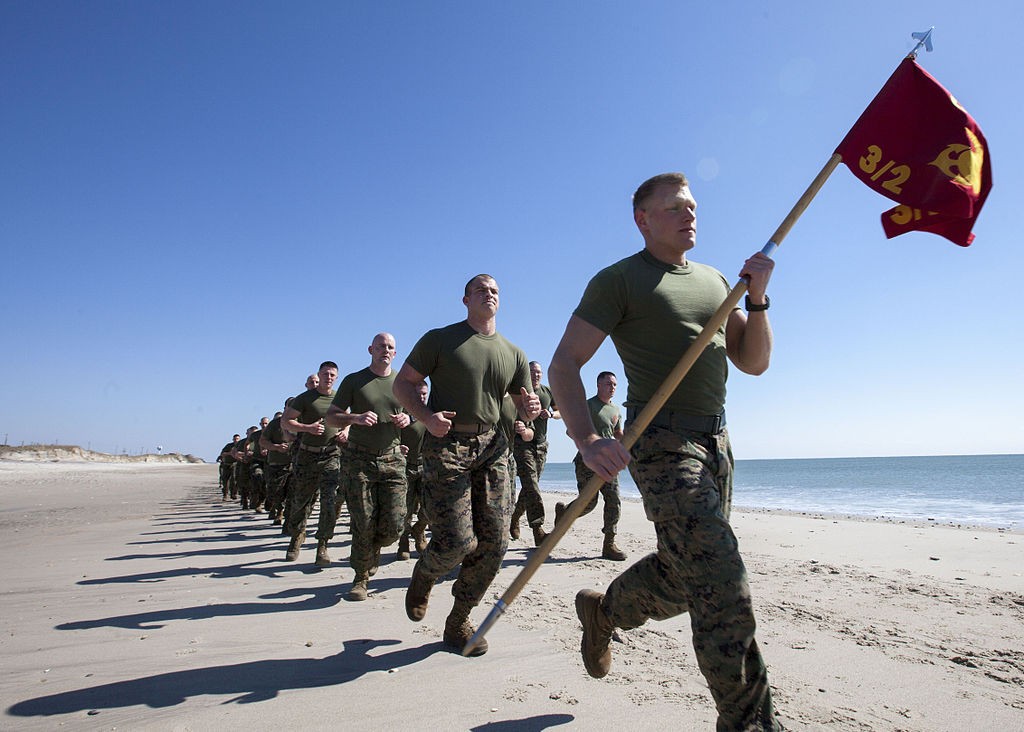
(648, 187)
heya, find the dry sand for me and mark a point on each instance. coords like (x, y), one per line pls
(133, 598)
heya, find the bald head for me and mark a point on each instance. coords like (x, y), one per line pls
(382, 353)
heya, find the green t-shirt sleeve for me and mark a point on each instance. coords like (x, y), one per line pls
(343, 397)
(424, 355)
(522, 376)
(603, 304)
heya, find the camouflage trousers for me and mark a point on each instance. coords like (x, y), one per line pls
(315, 475)
(530, 460)
(467, 496)
(413, 494)
(609, 492)
(257, 485)
(276, 478)
(685, 479)
(242, 482)
(375, 490)
(225, 480)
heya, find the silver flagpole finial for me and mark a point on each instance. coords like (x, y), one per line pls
(924, 38)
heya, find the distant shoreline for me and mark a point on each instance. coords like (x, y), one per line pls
(74, 453)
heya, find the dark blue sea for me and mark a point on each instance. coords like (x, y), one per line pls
(985, 490)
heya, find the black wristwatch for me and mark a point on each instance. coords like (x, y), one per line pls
(752, 308)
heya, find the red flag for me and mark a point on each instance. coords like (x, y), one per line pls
(916, 145)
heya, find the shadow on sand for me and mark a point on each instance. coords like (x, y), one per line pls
(314, 598)
(245, 683)
(526, 724)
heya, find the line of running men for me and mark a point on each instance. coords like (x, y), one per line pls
(259, 470)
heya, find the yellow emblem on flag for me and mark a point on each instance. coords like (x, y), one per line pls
(963, 163)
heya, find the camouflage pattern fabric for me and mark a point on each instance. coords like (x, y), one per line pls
(257, 485)
(530, 460)
(225, 479)
(375, 489)
(242, 482)
(685, 480)
(466, 500)
(413, 494)
(609, 491)
(315, 475)
(276, 479)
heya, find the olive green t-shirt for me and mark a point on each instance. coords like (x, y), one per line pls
(509, 415)
(540, 426)
(312, 406)
(252, 444)
(604, 416)
(412, 437)
(653, 311)
(226, 457)
(364, 391)
(273, 433)
(469, 372)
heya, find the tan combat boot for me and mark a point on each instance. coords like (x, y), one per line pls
(559, 512)
(539, 535)
(458, 630)
(294, 546)
(359, 592)
(418, 595)
(376, 561)
(513, 528)
(419, 530)
(403, 547)
(322, 560)
(611, 551)
(595, 647)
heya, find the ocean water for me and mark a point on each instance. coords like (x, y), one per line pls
(985, 490)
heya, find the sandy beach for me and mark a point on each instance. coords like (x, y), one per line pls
(133, 598)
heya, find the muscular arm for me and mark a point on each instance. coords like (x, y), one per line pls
(527, 404)
(406, 391)
(748, 337)
(578, 345)
(338, 417)
(526, 434)
(290, 419)
(266, 445)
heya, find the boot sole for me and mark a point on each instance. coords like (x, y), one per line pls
(585, 613)
(416, 606)
(457, 646)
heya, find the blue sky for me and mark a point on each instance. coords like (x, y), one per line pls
(202, 201)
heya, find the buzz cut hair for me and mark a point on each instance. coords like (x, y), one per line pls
(478, 277)
(648, 186)
(327, 365)
(606, 373)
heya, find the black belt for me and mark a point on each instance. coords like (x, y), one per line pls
(371, 451)
(671, 420)
(318, 449)
(472, 428)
